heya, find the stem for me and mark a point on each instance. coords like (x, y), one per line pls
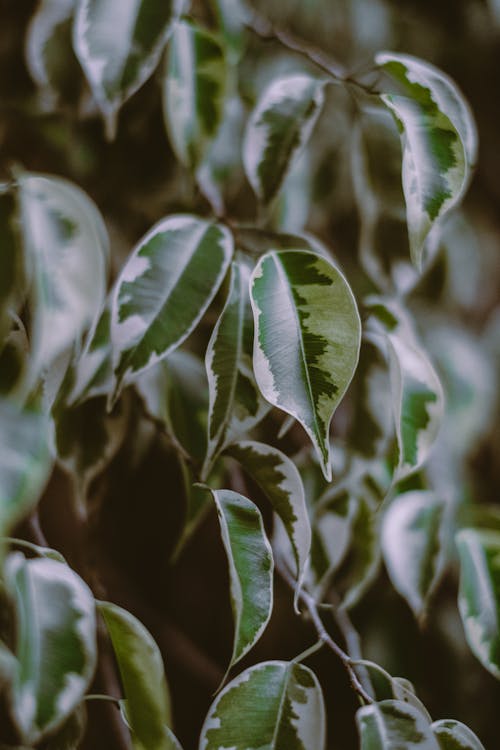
(101, 697)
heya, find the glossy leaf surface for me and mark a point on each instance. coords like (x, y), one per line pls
(394, 725)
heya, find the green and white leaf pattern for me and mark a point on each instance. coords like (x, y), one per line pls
(439, 142)
(413, 545)
(93, 372)
(119, 44)
(307, 339)
(56, 643)
(163, 291)
(250, 568)
(479, 595)
(276, 705)
(277, 130)
(143, 677)
(194, 91)
(394, 725)
(453, 735)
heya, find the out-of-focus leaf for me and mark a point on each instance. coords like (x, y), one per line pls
(278, 128)
(11, 259)
(275, 704)
(394, 725)
(71, 734)
(56, 644)
(453, 735)
(331, 536)
(292, 207)
(93, 370)
(163, 291)
(307, 339)
(119, 45)
(231, 17)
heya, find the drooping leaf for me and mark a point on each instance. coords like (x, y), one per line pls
(413, 545)
(11, 259)
(142, 675)
(331, 537)
(307, 339)
(278, 128)
(93, 372)
(56, 643)
(163, 291)
(394, 725)
(479, 595)
(70, 735)
(119, 45)
(250, 568)
(170, 741)
(453, 735)
(231, 17)
(194, 91)
(275, 704)
(439, 141)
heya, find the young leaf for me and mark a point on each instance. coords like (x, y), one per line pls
(143, 677)
(56, 645)
(280, 480)
(119, 45)
(453, 735)
(394, 725)
(439, 142)
(278, 128)
(479, 595)
(275, 704)
(194, 91)
(413, 545)
(250, 568)
(163, 291)
(307, 339)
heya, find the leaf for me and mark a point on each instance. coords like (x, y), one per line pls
(163, 291)
(280, 480)
(479, 594)
(170, 741)
(277, 130)
(394, 725)
(67, 247)
(231, 17)
(93, 371)
(331, 537)
(56, 643)
(119, 45)
(142, 675)
(11, 259)
(307, 339)
(439, 142)
(413, 545)
(194, 91)
(453, 735)
(71, 734)
(275, 704)
(250, 568)
(235, 403)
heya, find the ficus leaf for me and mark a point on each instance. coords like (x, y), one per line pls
(11, 257)
(453, 735)
(169, 740)
(275, 704)
(307, 339)
(93, 371)
(394, 725)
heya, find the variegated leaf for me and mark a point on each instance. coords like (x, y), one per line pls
(250, 568)
(280, 480)
(163, 291)
(67, 248)
(413, 545)
(93, 372)
(119, 44)
(11, 260)
(231, 17)
(70, 735)
(277, 130)
(439, 141)
(479, 595)
(194, 91)
(56, 643)
(331, 537)
(235, 403)
(307, 339)
(394, 725)
(275, 704)
(142, 675)
(453, 735)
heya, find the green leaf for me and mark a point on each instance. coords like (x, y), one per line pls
(71, 734)
(280, 480)
(413, 545)
(331, 538)
(163, 291)
(170, 741)
(275, 704)
(194, 91)
(394, 725)
(277, 130)
(11, 259)
(56, 643)
(250, 568)
(93, 372)
(236, 405)
(439, 142)
(231, 17)
(143, 677)
(453, 735)
(307, 339)
(119, 46)
(479, 595)
(67, 249)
